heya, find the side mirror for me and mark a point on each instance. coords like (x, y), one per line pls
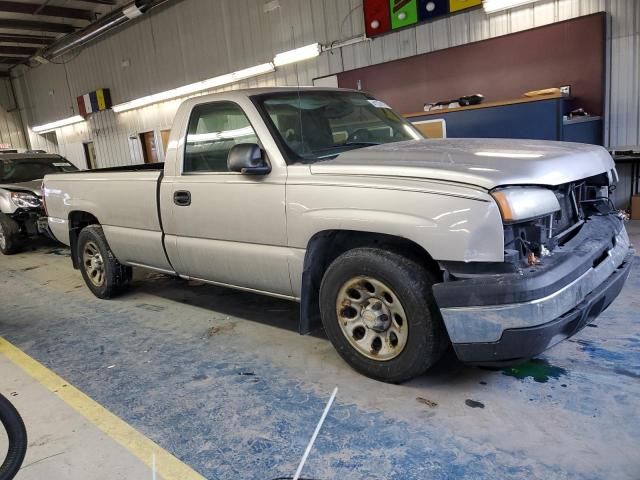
(247, 158)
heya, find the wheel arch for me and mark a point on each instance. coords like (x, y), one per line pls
(325, 246)
(78, 220)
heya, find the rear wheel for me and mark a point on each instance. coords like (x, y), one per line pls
(105, 276)
(9, 235)
(379, 313)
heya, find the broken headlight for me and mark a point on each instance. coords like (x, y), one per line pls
(25, 200)
(525, 203)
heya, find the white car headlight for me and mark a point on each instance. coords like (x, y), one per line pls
(25, 200)
(524, 203)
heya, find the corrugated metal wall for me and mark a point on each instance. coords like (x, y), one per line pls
(197, 39)
(11, 133)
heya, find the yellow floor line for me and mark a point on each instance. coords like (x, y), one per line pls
(167, 466)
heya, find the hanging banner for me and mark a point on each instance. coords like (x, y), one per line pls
(94, 102)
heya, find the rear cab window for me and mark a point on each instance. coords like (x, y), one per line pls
(214, 129)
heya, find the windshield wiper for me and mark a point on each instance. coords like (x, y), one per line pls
(350, 144)
(357, 144)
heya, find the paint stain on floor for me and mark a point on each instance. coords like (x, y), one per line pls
(538, 369)
(473, 403)
(427, 402)
(61, 252)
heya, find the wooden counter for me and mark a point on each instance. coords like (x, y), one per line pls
(487, 105)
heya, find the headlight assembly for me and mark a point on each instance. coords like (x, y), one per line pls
(524, 203)
(25, 200)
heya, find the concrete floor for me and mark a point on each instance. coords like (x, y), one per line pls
(62, 443)
(221, 380)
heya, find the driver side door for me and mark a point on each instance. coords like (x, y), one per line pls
(222, 226)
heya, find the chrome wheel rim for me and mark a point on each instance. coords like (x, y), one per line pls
(371, 318)
(3, 239)
(93, 264)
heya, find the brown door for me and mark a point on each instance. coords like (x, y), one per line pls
(90, 155)
(164, 134)
(149, 149)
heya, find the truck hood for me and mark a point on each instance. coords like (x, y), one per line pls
(487, 163)
(34, 186)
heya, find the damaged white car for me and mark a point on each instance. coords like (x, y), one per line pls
(21, 211)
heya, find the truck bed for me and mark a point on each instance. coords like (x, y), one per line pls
(141, 167)
(124, 200)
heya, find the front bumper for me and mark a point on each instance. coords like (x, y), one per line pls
(43, 227)
(33, 222)
(506, 317)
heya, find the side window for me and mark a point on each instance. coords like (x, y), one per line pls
(214, 128)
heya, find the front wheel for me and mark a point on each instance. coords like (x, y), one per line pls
(17, 436)
(9, 235)
(378, 311)
(105, 276)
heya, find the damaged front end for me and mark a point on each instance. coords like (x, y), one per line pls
(527, 242)
(561, 269)
(26, 208)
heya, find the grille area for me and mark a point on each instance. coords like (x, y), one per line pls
(547, 232)
(570, 213)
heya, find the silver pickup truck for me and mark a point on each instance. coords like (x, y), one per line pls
(398, 245)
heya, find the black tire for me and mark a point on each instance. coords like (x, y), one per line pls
(17, 435)
(116, 277)
(410, 282)
(10, 235)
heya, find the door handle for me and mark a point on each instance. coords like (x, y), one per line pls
(182, 198)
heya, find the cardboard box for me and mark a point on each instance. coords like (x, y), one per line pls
(635, 207)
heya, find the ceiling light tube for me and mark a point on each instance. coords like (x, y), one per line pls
(493, 6)
(298, 55)
(208, 84)
(47, 127)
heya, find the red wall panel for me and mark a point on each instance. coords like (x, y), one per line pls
(502, 68)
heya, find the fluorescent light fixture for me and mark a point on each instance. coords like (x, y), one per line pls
(192, 88)
(297, 55)
(40, 59)
(132, 11)
(493, 6)
(47, 127)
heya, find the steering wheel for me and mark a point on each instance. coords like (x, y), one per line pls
(362, 135)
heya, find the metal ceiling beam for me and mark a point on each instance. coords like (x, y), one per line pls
(51, 11)
(10, 60)
(29, 39)
(38, 26)
(100, 2)
(11, 50)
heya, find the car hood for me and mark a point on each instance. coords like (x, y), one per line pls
(487, 163)
(34, 186)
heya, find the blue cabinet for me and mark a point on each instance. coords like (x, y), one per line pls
(540, 119)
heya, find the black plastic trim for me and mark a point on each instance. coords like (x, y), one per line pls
(524, 343)
(567, 263)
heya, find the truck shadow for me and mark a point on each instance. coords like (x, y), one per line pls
(225, 301)
(269, 311)
(45, 245)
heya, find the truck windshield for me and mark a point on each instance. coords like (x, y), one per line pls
(28, 169)
(315, 125)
